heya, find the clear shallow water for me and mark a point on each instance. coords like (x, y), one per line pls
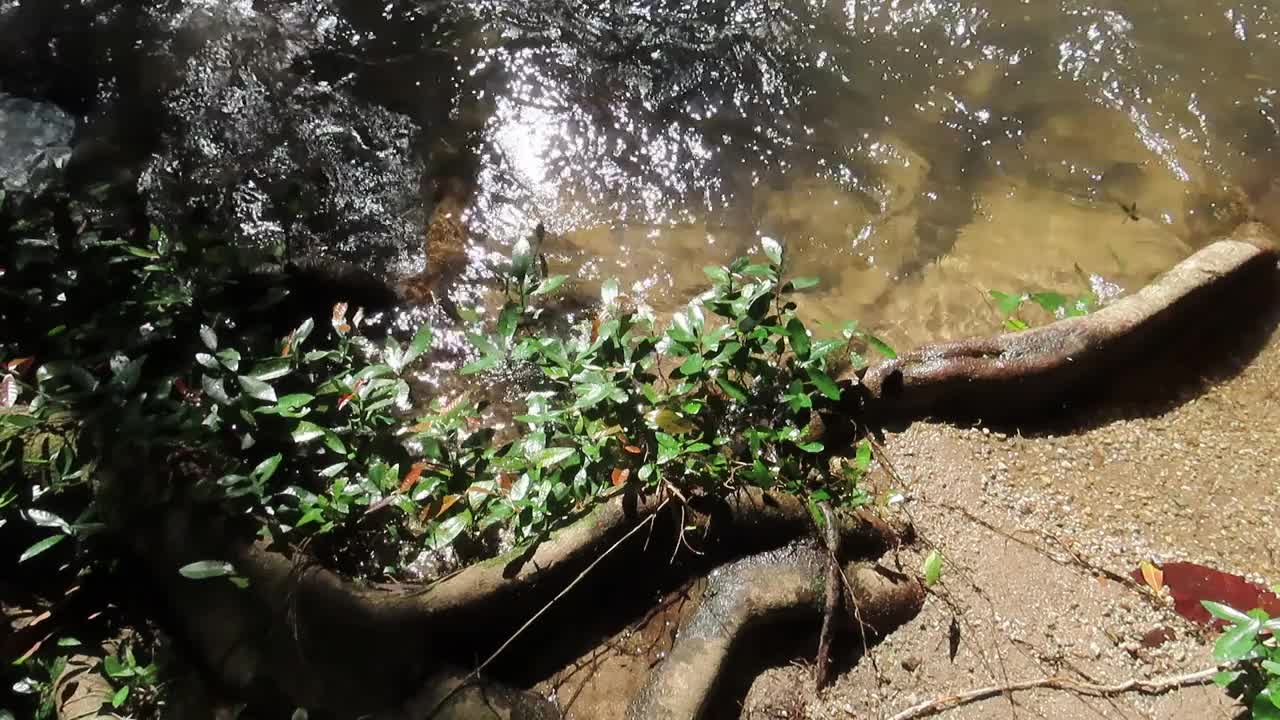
(911, 154)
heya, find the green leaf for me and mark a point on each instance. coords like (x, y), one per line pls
(591, 394)
(421, 341)
(718, 275)
(732, 389)
(932, 568)
(862, 460)
(271, 369)
(799, 338)
(127, 377)
(40, 547)
(114, 668)
(550, 457)
(804, 283)
(1006, 304)
(257, 389)
(686, 325)
(508, 321)
(334, 443)
(691, 366)
(205, 569)
(120, 697)
(265, 469)
(18, 420)
(230, 359)
(302, 332)
(823, 383)
(213, 388)
(1225, 612)
(1052, 302)
(669, 421)
(772, 250)
(293, 401)
(1266, 706)
(142, 252)
(609, 293)
(209, 338)
(815, 512)
(306, 432)
(549, 285)
(444, 533)
(811, 447)
(1237, 642)
(881, 346)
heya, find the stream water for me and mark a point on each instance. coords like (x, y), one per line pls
(912, 154)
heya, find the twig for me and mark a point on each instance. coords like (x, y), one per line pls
(1146, 687)
(475, 674)
(822, 665)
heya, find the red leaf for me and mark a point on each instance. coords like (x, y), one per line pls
(20, 365)
(632, 449)
(1190, 583)
(620, 476)
(411, 477)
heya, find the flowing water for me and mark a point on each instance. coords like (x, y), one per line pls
(911, 154)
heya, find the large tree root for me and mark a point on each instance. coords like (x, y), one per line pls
(302, 632)
(1029, 371)
(742, 596)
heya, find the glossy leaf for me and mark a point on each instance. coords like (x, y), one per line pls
(40, 547)
(205, 569)
(306, 432)
(732, 389)
(823, 383)
(257, 389)
(549, 285)
(772, 250)
(445, 532)
(799, 338)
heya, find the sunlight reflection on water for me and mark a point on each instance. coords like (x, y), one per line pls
(910, 154)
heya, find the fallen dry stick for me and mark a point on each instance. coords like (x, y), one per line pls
(1146, 687)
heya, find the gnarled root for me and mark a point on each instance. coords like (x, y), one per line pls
(1021, 372)
(301, 632)
(743, 596)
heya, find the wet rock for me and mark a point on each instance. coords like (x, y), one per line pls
(35, 142)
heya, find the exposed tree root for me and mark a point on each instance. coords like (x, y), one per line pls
(301, 632)
(1016, 373)
(1146, 687)
(323, 643)
(747, 594)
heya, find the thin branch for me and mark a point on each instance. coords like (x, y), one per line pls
(1146, 687)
